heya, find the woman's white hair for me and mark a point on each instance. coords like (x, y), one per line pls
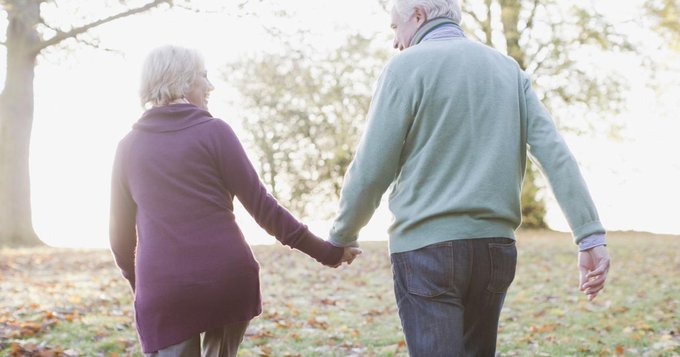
(433, 8)
(168, 73)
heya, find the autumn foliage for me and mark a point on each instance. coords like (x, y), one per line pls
(61, 302)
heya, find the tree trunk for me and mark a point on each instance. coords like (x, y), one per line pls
(23, 45)
(510, 10)
(16, 120)
(533, 208)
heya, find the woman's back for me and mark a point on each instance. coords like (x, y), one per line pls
(192, 263)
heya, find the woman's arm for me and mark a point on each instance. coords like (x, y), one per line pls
(242, 180)
(122, 227)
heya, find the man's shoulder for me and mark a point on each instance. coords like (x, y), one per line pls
(415, 56)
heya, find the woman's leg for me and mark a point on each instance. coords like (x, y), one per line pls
(188, 348)
(224, 341)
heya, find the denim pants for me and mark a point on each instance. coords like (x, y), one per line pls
(450, 295)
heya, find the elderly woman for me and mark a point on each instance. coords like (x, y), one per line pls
(172, 230)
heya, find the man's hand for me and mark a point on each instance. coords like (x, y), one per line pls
(593, 265)
(348, 256)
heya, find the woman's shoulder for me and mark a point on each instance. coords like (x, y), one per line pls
(126, 140)
(219, 127)
(220, 133)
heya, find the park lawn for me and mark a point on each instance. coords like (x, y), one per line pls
(63, 302)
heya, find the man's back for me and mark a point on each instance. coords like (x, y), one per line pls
(450, 124)
(464, 153)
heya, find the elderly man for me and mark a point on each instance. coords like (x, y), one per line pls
(449, 127)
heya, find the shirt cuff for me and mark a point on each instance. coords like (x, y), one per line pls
(353, 244)
(591, 241)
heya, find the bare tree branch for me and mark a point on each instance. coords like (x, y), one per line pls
(61, 36)
(42, 22)
(488, 31)
(484, 25)
(530, 20)
(384, 4)
(94, 43)
(187, 7)
(475, 17)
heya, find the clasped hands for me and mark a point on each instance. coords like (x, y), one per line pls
(348, 256)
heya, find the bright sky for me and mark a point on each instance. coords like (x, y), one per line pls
(87, 100)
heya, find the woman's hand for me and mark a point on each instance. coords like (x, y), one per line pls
(348, 256)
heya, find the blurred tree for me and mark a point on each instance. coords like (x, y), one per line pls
(666, 15)
(304, 112)
(28, 35)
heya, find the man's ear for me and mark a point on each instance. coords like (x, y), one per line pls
(420, 15)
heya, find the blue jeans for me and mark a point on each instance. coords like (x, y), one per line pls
(450, 295)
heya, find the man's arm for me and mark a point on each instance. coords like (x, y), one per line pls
(550, 152)
(377, 160)
(557, 163)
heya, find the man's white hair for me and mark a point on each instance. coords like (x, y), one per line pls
(168, 73)
(432, 8)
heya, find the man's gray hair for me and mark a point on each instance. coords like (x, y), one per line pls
(168, 73)
(432, 8)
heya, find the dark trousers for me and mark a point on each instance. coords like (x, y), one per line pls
(450, 295)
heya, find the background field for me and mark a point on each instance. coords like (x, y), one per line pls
(57, 302)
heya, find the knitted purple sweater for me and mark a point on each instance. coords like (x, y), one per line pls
(173, 232)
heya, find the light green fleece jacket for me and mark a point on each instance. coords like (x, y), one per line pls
(448, 129)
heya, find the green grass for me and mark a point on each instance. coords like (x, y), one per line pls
(74, 302)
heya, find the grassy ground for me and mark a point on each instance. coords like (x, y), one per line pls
(56, 302)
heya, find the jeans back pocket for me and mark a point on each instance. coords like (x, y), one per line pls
(503, 258)
(428, 271)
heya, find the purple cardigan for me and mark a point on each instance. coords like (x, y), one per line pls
(173, 232)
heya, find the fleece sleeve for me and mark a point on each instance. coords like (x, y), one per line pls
(549, 151)
(122, 226)
(377, 159)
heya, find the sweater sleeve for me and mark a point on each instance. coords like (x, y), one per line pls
(549, 151)
(242, 180)
(377, 159)
(122, 226)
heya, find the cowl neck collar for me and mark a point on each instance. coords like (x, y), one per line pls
(172, 117)
(432, 25)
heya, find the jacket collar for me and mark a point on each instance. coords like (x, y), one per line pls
(431, 25)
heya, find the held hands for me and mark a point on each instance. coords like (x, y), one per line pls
(348, 256)
(593, 265)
